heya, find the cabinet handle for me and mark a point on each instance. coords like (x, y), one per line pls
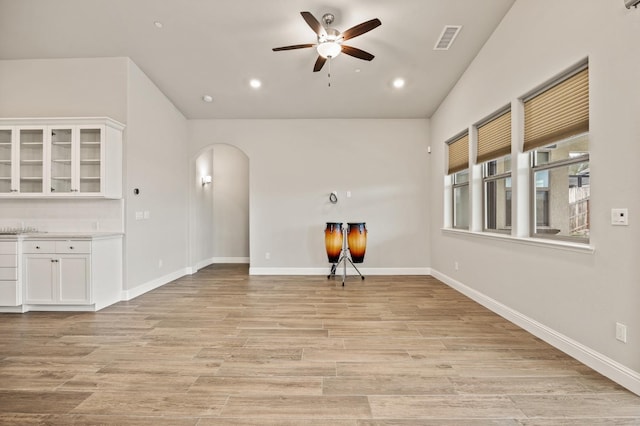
(71, 247)
(37, 247)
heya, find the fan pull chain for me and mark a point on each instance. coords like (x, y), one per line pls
(329, 75)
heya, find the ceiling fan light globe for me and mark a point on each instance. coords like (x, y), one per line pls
(329, 49)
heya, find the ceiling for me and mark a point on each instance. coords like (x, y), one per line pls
(215, 47)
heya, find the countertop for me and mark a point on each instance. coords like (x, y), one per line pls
(89, 235)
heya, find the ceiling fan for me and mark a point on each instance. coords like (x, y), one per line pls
(330, 40)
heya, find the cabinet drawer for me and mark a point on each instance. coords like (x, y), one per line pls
(9, 294)
(8, 247)
(8, 274)
(8, 261)
(72, 246)
(39, 246)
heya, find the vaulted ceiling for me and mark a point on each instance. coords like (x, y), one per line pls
(193, 48)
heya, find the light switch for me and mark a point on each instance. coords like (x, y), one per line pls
(139, 216)
(620, 217)
(147, 215)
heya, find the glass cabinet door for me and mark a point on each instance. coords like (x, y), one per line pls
(91, 140)
(61, 160)
(31, 143)
(6, 160)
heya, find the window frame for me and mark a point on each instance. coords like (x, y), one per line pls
(457, 185)
(486, 178)
(533, 191)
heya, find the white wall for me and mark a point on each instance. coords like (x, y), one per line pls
(157, 164)
(64, 88)
(201, 222)
(294, 166)
(95, 87)
(578, 296)
(230, 218)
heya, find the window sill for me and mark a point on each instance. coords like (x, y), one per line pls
(539, 242)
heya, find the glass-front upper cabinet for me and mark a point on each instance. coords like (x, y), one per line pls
(6, 160)
(61, 157)
(90, 150)
(31, 154)
(61, 163)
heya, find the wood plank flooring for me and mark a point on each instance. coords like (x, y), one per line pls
(221, 347)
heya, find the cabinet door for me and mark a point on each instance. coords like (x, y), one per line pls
(91, 159)
(31, 143)
(73, 279)
(39, 279)
(7, 161)
(61, 156)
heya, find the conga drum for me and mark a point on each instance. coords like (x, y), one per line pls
(333, 241)
(357, 238)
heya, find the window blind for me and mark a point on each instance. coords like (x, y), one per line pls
(557, 113)
(494, 138)
(459, 154)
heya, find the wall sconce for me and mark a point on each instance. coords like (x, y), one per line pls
(206, 180)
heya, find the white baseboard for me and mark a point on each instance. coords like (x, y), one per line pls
(350, 271)
(153, 284)
(604, 365)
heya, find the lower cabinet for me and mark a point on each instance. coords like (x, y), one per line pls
(55, 278)
(10, 294)
(71, 274)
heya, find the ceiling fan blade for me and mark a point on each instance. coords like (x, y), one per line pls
(312, 22)
(295, 46)
(319, 63)
(360, 29)
(357, 53)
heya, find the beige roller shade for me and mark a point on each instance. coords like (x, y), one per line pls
(557, 113)
(494, 138)
(459, 154)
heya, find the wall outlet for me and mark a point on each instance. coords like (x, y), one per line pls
(456, 265)
(267, 256)
(159, 263)
(621, 332)
(620, 217)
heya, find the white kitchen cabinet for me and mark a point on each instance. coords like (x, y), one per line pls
(60, 271)
(61, 157)
(55, 276)
(10, 294)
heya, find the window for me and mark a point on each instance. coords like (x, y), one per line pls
(494, 148)
(458, 149)
(461, 200)
(497, 194)
(561, 176)
(556, 132)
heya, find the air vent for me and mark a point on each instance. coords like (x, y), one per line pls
(448, 35)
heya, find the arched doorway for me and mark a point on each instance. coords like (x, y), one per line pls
(220, 214)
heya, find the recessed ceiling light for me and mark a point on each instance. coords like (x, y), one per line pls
(207, 98)
(158, 24)
(398, 83)
(255, 83)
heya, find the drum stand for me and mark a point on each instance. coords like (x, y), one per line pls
(344, 258)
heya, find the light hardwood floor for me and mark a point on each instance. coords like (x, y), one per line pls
(221, 347)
